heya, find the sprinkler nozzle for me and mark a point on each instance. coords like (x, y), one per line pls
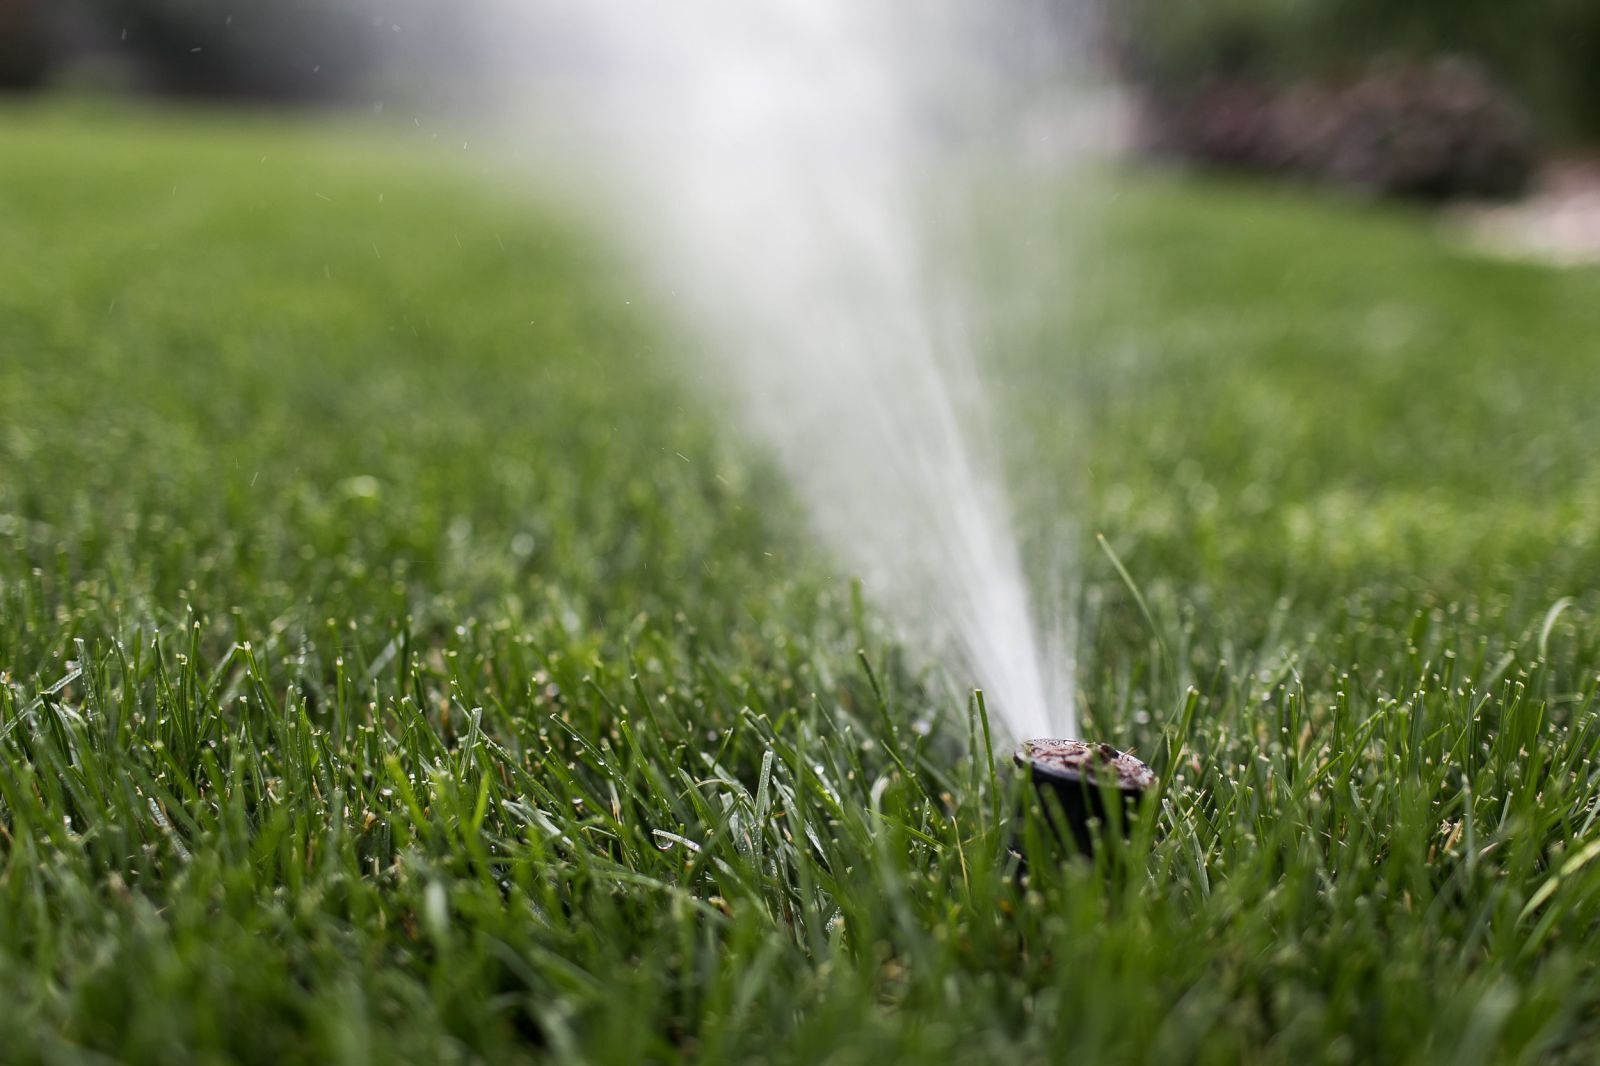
(1082, 777)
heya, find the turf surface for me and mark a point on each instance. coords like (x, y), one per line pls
(401, 662)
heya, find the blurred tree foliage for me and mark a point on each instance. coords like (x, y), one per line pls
(1546, 51)
(266, 49)
(25, 51)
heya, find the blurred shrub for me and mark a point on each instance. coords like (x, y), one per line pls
(25, 46)
(1547, 52)
(1424, 130)
(1436, 131)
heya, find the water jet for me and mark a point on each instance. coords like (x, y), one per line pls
(797, 182)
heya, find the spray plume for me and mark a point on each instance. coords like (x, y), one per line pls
(769, 162)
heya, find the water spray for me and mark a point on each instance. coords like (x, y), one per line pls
(782, 175)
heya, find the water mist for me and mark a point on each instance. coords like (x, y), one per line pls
(772, 165)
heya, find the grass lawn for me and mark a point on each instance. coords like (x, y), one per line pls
(399, 661)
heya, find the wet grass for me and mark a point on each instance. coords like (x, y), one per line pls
(400, 662)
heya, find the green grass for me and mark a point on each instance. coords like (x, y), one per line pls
(401, 661)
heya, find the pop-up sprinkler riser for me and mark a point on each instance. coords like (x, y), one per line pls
(1084, 778)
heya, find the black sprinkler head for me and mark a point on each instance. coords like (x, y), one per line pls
(1084, 778)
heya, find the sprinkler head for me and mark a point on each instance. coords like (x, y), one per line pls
(1083, 778)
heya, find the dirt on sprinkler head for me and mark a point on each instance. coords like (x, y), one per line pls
(1075, 760)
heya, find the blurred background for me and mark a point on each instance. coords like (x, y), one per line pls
(1431, 99)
